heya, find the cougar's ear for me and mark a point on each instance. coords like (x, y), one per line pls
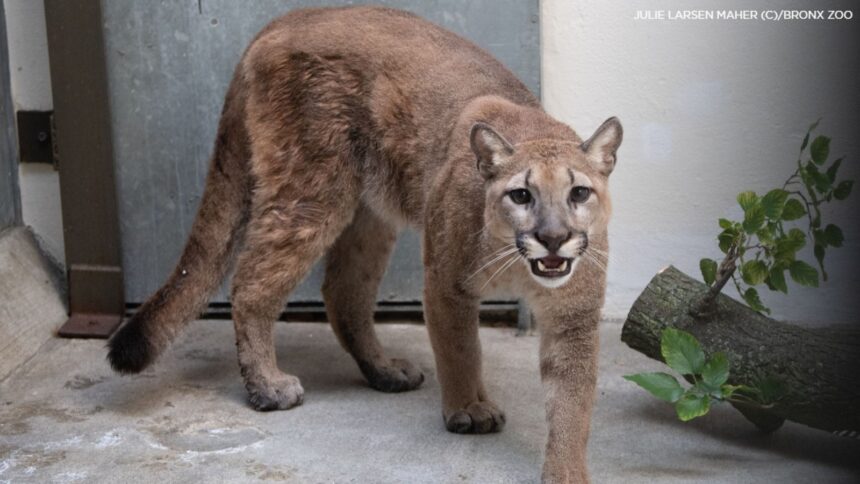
(491, 149)
(603, 144)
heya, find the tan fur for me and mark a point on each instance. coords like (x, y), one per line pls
(340, 126)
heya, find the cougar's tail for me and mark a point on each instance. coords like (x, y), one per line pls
(205, 259)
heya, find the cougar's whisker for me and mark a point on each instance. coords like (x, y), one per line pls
(500, 250)
(495, 259)
(597, 251)
(594, 260)
(508, 263)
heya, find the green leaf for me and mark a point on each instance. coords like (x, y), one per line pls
(843, 189)
(753, 301)
(787, 246)
(818, 237)
(805, 142)
(803, 273)
(691, 406)
(833, 236)
(727, 390)
(770, 389)
(716, 370)
(773, 203)
(793, 210)
(808, 132)
(796, 239)
(747, 200)
(816, 179)
(820, 149)
(765, 235)
(727, 238)
(681, 351)
(709, 270)
(753, 219)
(754, 272)
(806, 178)
(831, 172)
(703, 388)
(816, 220)
(726, 223)
(776, 280)
(662, 385)
(818, 250)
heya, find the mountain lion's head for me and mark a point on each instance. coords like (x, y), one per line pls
(547, 198)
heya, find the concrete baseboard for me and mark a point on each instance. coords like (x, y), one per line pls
(31, 304)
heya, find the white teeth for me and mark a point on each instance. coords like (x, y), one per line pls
(561, 268)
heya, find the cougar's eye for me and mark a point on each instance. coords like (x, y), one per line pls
(520, 196)
(580, 194)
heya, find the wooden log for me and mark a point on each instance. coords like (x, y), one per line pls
(818, 367)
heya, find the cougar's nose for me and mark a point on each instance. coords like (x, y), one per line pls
(552, 240)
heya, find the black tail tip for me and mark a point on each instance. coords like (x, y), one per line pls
(130, 351)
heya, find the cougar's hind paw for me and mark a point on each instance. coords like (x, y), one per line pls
(397, 375)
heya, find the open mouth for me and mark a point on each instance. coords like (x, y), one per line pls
(551, 266)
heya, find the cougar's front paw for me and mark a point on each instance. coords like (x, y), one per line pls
(477, 418)
(278, 393)
(395, 376)
(563, 473)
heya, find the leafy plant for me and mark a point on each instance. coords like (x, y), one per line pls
(763, 247)
(758, 250)
(682, 352)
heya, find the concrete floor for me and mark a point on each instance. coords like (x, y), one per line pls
(64, 417)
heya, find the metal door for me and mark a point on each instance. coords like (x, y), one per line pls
(168, 66)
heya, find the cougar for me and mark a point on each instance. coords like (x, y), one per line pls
(340, 127)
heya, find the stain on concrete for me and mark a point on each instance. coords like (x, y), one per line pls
(38, 458)
(15, 420)
(23, 463)
(652, 472)
(69, 477)
(263, 472)
(203, 355)
(81, 382)
(204, 436)
(5, 451)
(164, 462)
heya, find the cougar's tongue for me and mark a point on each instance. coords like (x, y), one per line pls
(552, 261)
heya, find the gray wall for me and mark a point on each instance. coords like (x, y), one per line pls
(168, 66)
(10, 207)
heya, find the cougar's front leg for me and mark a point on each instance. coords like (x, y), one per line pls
(568, 366)
(452, 321)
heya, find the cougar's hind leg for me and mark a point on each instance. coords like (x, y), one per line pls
(354, 267)
(306, 143)
(284, 239)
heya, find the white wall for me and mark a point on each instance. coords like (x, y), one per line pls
(31, 90)
(710, 108)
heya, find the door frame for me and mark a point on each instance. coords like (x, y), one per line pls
(86, 167)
